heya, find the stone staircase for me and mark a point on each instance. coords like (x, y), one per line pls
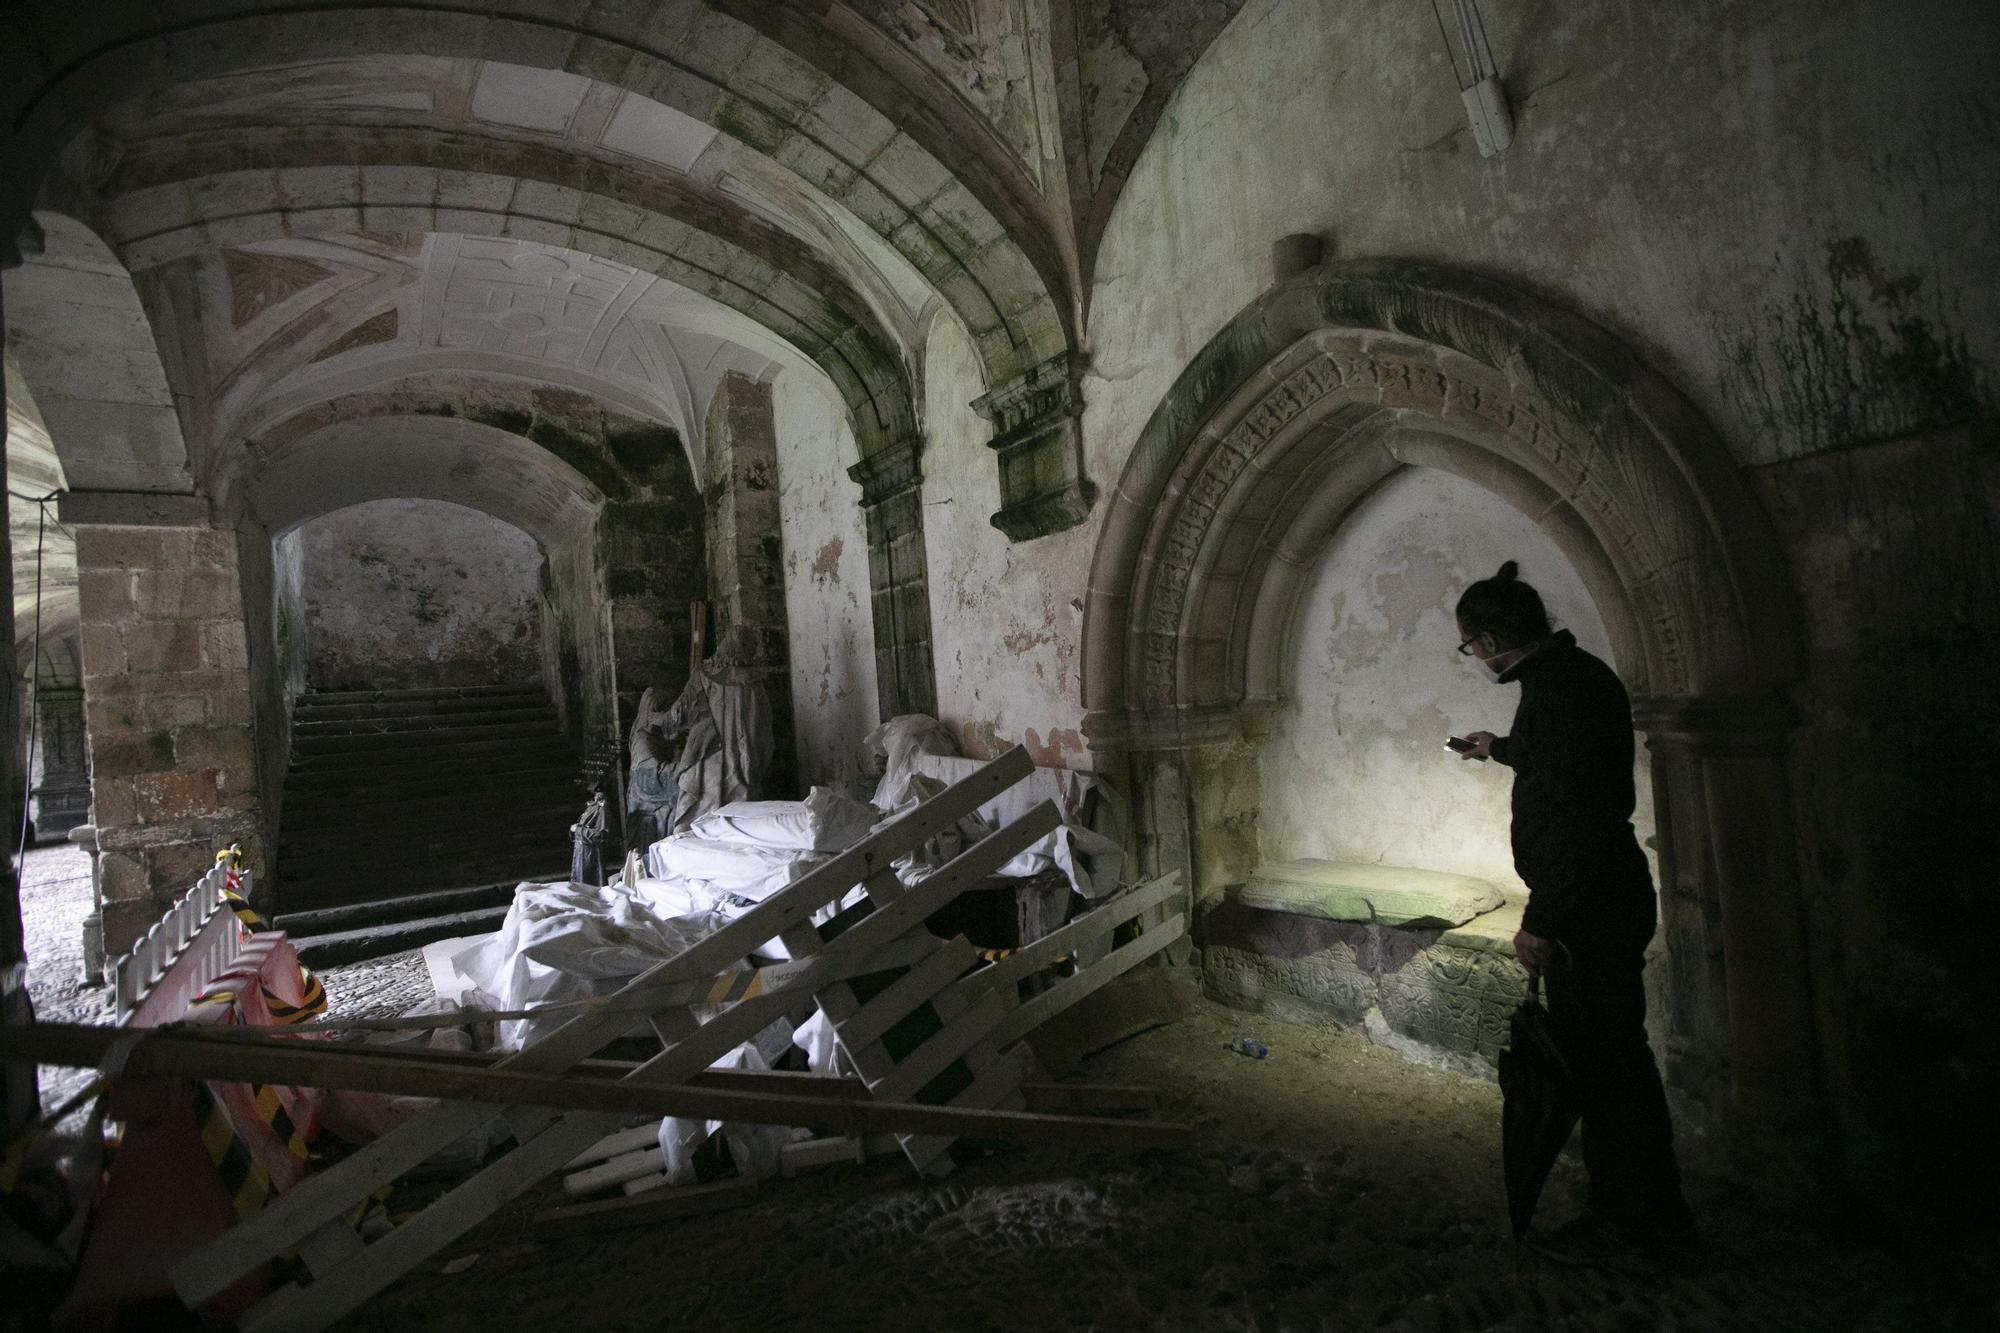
(410, 815)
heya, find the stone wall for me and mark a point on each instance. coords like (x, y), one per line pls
(166, 679)
(746, 574)
(403, 594)
(1791, 249)
(826, 583)
(1354, 767)
(1007, 615)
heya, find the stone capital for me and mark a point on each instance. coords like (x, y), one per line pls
(890, 471)
(1732, 725)
(1037, 424)
(132, 509)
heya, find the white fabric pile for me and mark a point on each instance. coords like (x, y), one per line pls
(563, 942)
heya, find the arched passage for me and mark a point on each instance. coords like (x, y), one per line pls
(1286, 419)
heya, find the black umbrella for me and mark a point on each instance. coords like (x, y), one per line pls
(1540, 1108)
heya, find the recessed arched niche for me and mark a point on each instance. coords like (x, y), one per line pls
(1352, 766)
(1320, 408)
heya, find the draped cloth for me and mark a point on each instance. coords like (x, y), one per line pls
(724, 715)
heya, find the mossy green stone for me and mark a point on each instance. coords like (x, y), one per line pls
(1355, 891)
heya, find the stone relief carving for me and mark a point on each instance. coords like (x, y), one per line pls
(1410, 378)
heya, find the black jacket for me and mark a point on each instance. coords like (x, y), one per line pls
(1571, 752)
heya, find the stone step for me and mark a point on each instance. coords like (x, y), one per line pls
(329, 884)
(374, 723)
(426, 801)
(446, 758)
(314, 803)
(312, 745)
(304, 709)
(364, 942)
(547, 828)
(312, 698)
(355, 916)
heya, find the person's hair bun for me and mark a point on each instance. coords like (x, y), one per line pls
(1508, 572)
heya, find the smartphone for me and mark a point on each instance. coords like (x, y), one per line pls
(1459, 745)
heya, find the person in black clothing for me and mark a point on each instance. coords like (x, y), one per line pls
(1590, 908)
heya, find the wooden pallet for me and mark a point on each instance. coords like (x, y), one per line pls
(346, 1270)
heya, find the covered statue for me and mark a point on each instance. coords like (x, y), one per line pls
(711, 747)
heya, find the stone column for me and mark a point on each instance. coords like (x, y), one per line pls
(1731, 887)
(1038, 434)
(62, 786)
(892, 502)
(1191, 778)
(746, 561)
(168, 702)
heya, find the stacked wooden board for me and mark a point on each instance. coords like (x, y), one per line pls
(937, 1045)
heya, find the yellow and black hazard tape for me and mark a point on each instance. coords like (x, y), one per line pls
(310, 1006)
(733, 986)
(245, 913)
(242, 1175)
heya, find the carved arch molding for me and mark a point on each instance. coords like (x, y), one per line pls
(1299, 407)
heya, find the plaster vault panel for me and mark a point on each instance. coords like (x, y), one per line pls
(482, 307)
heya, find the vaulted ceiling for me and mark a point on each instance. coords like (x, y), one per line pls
(258, 207)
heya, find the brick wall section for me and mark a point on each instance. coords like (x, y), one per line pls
(746, 573)
(167, 707)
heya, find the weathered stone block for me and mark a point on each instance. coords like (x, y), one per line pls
(171, 712)
(172, 869)
(173, 645)
(112, 803)
(1385, 895)
(120, 878)
(101, 548)
(128, 754)
(105, 595)
(224, 646)
(182, 794)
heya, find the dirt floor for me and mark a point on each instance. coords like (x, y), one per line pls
(1334, 1185)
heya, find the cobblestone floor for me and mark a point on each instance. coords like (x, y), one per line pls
(1332, 1186)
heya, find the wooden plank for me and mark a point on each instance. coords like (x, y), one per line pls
(1102, 919)
(615, 1145)
(295, 1309)
(616, 1170)
(1068, 991)
(470, 1203)
(319, 1198)
(942, 1049)
(865, 1026)
(999, 1084)
(655, 1205)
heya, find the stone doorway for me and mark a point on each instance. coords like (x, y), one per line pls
(1320, 392)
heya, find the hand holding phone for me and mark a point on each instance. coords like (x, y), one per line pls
(1460, 746)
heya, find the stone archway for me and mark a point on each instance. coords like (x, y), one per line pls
(1281, 424)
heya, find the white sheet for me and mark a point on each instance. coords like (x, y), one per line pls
(825, 821)
(570, 942)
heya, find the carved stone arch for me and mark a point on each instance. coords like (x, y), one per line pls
(1294, 412)
(962, 235)
(814, 313)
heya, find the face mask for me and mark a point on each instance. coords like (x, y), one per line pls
(1498, 664)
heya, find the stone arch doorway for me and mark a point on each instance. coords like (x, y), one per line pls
(1338, 378)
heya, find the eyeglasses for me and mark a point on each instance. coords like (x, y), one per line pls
(1465, 649)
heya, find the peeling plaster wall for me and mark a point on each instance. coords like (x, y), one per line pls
(1786, 210)
(1007, 618)
(1354, 768)
(826, 583)
(1778, 206)
(414, 593)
